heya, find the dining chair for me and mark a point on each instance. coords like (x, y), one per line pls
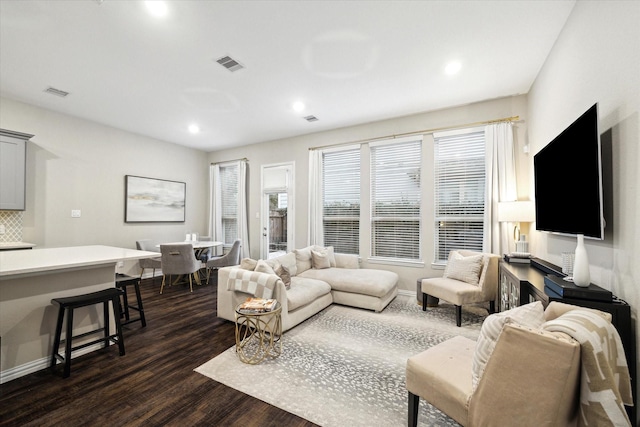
(153, 263)
(179, 259)
(230, 258)
(205, 254)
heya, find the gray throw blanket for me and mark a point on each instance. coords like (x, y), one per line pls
(605, 385)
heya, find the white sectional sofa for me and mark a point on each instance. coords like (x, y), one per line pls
(313, 289)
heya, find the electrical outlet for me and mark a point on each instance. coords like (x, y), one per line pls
(2, 229)
(75, 213)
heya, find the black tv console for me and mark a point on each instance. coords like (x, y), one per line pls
(520, 284)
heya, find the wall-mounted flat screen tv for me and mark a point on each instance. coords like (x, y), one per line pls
(568, 180)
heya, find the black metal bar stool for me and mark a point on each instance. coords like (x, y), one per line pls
(122, 281)
(69, 304)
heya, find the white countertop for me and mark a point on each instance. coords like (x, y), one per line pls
(16, 245)
(48, 259)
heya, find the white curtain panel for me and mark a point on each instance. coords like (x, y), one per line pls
(316, 233)
(243, 208)
(501, 185)
(215, 213)
(215, 217)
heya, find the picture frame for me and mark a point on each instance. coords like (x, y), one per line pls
(154, 200)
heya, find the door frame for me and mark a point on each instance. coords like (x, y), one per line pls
(288, 186)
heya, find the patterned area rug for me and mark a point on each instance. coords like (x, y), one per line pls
(346, 366)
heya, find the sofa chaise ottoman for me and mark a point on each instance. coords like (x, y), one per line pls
(313, 286)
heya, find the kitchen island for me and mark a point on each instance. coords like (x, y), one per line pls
(30, 279)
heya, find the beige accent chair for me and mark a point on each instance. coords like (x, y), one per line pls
(179, 259)
(531, 378)
(459, 292)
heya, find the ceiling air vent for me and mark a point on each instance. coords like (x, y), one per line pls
(56, 92)
(311, 118)
(229, 63)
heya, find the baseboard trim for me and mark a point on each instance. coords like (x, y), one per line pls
(40, 364)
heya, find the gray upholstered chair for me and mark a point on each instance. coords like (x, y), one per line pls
(479, 283)
(179, 259)
(153, 263)
(205, 254)
(230, 258)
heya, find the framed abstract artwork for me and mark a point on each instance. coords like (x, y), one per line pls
(154, 200)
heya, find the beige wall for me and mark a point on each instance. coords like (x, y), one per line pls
(78, 164)
(297, 150)
(597, 59)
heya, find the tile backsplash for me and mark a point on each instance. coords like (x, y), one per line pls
(12, 221)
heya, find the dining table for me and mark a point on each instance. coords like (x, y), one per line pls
(198, 246)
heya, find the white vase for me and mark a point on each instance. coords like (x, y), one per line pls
(581, 275)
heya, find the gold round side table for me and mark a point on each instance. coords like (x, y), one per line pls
(258, 335)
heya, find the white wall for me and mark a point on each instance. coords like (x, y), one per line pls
(78, 164)
(597, 59)
(297, 150)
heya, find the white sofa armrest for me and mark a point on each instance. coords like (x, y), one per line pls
(229, 299)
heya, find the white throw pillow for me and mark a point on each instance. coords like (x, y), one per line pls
(464, 268)
(320, 259)
(263, 267)
(528, 315)
(288, 261)
(330, 254)
(248, 264)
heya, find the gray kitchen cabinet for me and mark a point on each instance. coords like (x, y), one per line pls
(13, 150)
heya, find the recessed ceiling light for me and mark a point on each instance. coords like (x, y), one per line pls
(452, 68)
(193, 128)
(297, 106)
(157, 8)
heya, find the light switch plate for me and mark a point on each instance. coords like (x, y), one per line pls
(75, 213)
(2, 229)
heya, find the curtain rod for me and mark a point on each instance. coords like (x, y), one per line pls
(420, 132)
(232, 160)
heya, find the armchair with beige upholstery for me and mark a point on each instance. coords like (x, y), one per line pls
(469, 278)
(530, 375)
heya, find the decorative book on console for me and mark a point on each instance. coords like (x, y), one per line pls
(258, 305)
(518, 258)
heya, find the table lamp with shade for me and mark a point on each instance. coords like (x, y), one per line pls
(517, 212)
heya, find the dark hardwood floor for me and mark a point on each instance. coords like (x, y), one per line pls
(154, 383)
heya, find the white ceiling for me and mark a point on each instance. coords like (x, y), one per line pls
(350, 62)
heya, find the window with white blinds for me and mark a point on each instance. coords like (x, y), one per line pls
(395, 199)
(229, 202)
(341, 200)
(459, 192)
